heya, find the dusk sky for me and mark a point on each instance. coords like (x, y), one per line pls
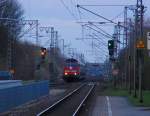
(54, 13)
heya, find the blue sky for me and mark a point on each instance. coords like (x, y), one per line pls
(53, 13)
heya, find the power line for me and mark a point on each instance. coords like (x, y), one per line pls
(98, 31)
(107, 34)
(97, 14)
(79, 13)
(100, 39)
(67, 8)
(77, 10)
(73, 8)
(100, 16)
(99, 49)
(117, 15)
(109, 5)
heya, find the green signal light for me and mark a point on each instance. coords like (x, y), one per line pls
(110, 44)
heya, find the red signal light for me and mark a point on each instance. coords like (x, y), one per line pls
(43, 52)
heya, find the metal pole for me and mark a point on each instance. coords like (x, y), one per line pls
(135, 53)
(125, 45)
(9, 54)
(56, 39)
(37, 33)
(129, 57)
(52, 53)
(119, 43)
(63, 47)
(141, 53)
(52, 38)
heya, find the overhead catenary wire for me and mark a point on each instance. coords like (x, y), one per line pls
(100, 47)
(100, 37)
(102, 17)
(106, 5)
(67, 8)
(100, 40)
(79, 12)
(107, 34)
(97, 14)
(93, 43)
(77, 9)
(99, 32)
(100, 50)
(121, 13)
(74, 8)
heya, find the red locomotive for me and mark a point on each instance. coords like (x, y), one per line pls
(71, 70)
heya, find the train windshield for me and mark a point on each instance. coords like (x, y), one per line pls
(71, 64)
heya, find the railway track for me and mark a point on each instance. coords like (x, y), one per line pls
(71, 104)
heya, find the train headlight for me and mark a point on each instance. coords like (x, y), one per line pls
(75, 73)
(66, 73)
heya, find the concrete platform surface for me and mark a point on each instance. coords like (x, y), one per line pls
(9, 83)
(117, 106)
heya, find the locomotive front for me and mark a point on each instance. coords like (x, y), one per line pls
(71, 70)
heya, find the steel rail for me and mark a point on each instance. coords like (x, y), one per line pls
(83, 101)
(44, 112)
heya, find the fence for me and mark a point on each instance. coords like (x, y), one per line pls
(15, 96)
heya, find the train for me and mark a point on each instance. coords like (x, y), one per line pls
(72, 70)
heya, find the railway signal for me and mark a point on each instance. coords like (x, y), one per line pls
(110, 44)
(111, 52)
(43, 52)
(111, 47)
(140, 44)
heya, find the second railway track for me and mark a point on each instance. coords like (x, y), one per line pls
(71, 104)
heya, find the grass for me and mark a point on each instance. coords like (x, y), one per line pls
(115, 92)
(146, 99)
(124, 93)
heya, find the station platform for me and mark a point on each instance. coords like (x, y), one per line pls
(10, 83)
(117, 106)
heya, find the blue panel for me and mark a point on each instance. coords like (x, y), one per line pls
(12, 97)
(5, 75)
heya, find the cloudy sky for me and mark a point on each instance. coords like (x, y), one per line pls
(63, 15)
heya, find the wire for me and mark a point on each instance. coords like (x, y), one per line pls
(104, 32)
(99, 32)
(67, 8)
(100, 37)
(77, 10)
(108, 5)
(117, 16)
(79, 13)
(72, 2)
(100, 40)
(99, 49)
(99, 15)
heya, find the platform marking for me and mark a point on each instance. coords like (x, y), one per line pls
(109, 106)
